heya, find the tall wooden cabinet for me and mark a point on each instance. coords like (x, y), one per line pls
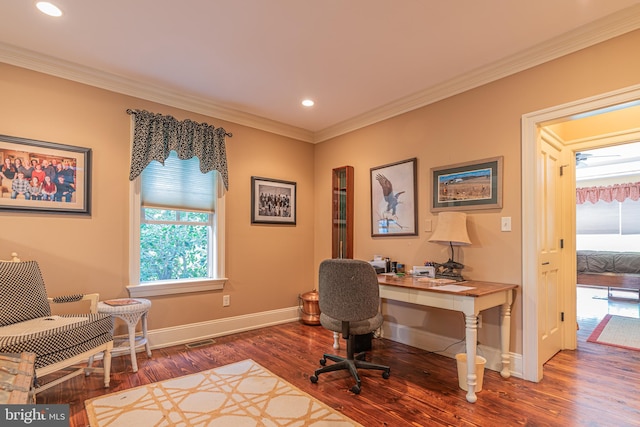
(342, 213)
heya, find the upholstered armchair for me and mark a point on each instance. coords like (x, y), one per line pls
(60, 342)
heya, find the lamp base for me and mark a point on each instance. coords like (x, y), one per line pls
(451, 276)
(450, 270)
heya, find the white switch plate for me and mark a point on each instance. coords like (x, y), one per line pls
(505, 223)
(427, 225)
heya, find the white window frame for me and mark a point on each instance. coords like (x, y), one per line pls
(169, 287)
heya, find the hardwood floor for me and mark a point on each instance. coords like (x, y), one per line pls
(596, 385)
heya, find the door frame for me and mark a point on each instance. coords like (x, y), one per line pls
(531, 124)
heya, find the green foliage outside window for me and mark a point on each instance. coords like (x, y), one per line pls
(173, 245)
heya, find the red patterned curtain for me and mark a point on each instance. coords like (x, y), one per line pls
(618, 192)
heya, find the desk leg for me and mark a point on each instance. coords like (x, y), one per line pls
(471, 329)
(336, 340)
(505, 335)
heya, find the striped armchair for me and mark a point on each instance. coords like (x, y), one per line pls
(59, 342)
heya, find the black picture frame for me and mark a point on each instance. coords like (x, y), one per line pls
(273, 201)
(467, 186)
(394, 204)
(30, 153)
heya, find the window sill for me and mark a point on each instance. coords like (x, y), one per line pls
(171, 288)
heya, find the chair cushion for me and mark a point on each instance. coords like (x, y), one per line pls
(56, 338)
(359, 327)
(22, 292)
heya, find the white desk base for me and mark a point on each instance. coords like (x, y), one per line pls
(488, 295)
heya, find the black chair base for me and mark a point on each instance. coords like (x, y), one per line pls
(351, 363)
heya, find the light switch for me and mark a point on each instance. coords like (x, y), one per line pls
(505, 223)
(427, 225)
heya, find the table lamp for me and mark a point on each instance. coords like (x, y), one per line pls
(451, 229)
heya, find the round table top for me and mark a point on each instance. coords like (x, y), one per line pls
(124, 305)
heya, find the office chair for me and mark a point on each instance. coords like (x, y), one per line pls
(349, 300)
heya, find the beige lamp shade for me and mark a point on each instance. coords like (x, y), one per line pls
(451, 229)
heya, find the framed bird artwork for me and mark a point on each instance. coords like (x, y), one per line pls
(394, 207)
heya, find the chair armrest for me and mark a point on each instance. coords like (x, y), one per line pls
(93, 298)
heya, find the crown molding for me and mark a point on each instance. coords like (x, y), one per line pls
(71, 71)
(611, 26)
(604, 29)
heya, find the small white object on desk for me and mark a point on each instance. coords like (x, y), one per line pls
(130, 310)
(454, 288)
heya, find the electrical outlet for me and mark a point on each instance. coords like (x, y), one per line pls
(226, 300)
(479, 321)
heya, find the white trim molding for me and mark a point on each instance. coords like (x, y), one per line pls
(184, 334)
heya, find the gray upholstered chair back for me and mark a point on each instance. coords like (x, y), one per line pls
(22, 292)
(348, 289)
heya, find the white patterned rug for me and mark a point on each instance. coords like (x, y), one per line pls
(235, 395)
(618, 331)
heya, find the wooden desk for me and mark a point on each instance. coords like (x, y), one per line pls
(483, 295)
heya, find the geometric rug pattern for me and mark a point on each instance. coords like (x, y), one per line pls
(235, 395)
(617, 331)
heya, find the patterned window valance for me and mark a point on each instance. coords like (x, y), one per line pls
(155, 136)
(619, 192)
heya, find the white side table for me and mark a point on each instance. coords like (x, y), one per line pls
(131, 310)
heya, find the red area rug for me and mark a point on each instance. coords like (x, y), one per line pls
(617, 331)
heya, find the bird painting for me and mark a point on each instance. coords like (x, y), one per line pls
(387, 192)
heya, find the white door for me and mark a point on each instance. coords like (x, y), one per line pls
(549, 253)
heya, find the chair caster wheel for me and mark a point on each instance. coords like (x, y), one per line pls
(385, 375)
(323, 362)
(355, 389)
(313, 379)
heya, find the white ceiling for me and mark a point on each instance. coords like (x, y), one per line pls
(253, 61)
(616, 160)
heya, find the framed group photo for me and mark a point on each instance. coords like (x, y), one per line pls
(273, 201)
(467, 186)
(394, 208)
(39, 176)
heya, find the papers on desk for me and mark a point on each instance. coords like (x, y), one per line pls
(446, 284)
(454, 288)
(436, 281)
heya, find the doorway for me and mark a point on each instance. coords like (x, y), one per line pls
(606, 227)
(532, 128)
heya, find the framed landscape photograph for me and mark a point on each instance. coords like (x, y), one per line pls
(273, 201)
(39, 176)
(467, 186)
(394, 208)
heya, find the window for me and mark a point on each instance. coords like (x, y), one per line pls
(176, 221)
(608, 217)
(175, 244)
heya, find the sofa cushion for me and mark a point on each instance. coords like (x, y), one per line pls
(55, 338)
(22, 292)
(608, 262)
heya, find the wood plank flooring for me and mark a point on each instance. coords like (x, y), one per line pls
(596, 385)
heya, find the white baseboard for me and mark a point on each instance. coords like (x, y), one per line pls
(184, 334)
(447, 346)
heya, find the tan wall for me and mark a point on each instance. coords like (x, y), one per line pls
(477, 124)
(267, 266)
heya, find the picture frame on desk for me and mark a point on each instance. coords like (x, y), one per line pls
(467, 186)
(394, 205)
(273, 201)
(40, 159)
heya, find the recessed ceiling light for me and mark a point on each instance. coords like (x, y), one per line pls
(48, 8)
(308, 103)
